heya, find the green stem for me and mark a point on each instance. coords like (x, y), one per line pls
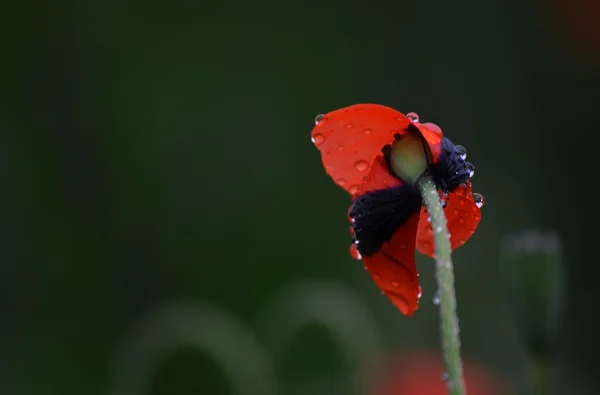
(445, 280)
(540, 371)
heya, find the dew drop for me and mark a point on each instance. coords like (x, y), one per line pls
(361, 165)
(455, 211)
(354, 252)
(413, 116)
(478, 198)
(445, 376)
(420, 292)
(438, 229)
(354, 189)
(341, 181)
(318, 139)
(395, 284)
(320, 119)
(436, 298)
(339, 147)
(428, 219)
(367, 131)
(461, 220)
(349, 126)
(461, 151)
(376, 277)
(470, 168)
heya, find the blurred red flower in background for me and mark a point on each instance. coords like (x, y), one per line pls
(422, 373)
(576, 22)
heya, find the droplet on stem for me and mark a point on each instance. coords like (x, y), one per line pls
(436, 298)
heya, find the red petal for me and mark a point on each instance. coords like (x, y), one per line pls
(379, 177)
(351, 137)
(463, 218)
(393, 267)
(433, 135)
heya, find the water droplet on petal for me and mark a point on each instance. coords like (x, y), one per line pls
(361, 165)
(320, 119)
(478, 198)
(318, 139)
(341, 181)
(395, 284)
(455, 211)
(376, 277)
(354, 252)
(420, 292)
(413, 116)
(367, 131)
(436, 298)
(349, 126)
(470, 168)
(461, 220)
(461, 151)
(354, 189)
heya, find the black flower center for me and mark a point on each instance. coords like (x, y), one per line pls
(377, 214)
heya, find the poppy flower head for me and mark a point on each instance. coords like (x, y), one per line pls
(377, 154)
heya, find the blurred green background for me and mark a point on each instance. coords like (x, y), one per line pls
(163, 203)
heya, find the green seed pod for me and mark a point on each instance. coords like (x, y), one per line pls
(532, 267)
(409, 156)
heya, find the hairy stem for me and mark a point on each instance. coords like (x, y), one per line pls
(445, 280)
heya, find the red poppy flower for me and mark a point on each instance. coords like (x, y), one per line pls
(422, 373)
(387, 218)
